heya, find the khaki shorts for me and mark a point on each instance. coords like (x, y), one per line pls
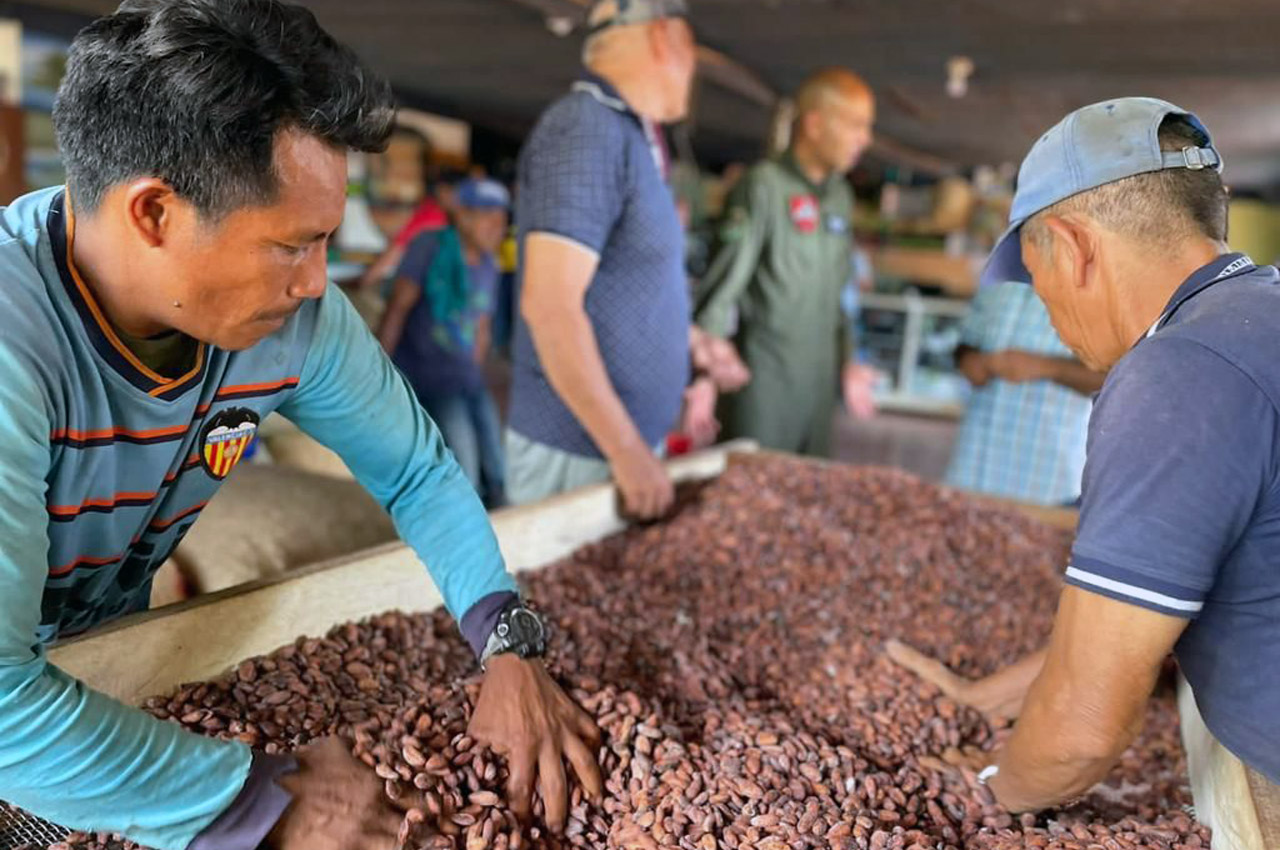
(536, 471)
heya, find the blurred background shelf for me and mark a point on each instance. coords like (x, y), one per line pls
(912, 339)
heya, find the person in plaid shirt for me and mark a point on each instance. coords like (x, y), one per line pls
(1023, 435)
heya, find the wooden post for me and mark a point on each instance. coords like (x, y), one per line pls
(12, 154)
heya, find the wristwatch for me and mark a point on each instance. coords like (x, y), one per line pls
(519, 631)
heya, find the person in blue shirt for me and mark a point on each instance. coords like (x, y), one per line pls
(1023, 432)
(155, 311)
(1120, 221)
(601, 352)
(438, 329)
(604, 347)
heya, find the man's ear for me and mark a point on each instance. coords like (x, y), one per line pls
(811, 124)
(1075, 248)
(151, 210)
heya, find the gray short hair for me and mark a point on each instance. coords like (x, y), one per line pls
(1159, 207)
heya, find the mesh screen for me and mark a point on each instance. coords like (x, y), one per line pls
(19, 829)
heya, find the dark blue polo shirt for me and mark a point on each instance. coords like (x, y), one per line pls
(590, 173)
(1181, 505)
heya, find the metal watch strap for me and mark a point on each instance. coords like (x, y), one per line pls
(492, 647)
(501, 640)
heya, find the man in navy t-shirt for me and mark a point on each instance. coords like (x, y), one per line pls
(601, 352)
(1120, 219)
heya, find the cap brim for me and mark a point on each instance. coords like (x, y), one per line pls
(1005, 263)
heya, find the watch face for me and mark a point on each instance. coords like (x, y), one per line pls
(525, 626)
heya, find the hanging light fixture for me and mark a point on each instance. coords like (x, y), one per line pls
(959, 70)
(561, 26)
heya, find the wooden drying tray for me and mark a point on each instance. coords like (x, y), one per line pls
(154, 652)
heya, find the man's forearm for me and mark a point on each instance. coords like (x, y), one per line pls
(1050, 773)
(1089, 702)
(404, 297)
(1074, 375)
(354, 401)
(567, 347)
(78, 758)
(970, 364)
(388, 261)
(1060, 748)
(484, 341)
(391, 329)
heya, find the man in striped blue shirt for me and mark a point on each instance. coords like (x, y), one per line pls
(154, 312)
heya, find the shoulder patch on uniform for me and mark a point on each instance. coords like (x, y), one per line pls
(224, 438)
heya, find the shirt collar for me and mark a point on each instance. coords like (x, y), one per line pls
(60, 226)
(789, 160)
(603, 91)
(1223, 267)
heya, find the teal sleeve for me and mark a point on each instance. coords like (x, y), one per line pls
(353, 400)
(67, 753)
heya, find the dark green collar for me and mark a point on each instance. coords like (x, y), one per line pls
(788, 159)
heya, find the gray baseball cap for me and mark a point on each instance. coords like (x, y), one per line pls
(1091, 147)
(618, 13)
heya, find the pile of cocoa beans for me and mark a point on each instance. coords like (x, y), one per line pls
(733, 657)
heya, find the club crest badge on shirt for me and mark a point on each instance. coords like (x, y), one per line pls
(225, 438)
(804, 213)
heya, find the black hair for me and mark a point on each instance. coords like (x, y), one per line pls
(195, 92)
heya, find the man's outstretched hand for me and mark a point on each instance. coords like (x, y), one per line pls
(998, 696)
(338, 804)
(719, 360)
(523, 715)
(858, 384)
